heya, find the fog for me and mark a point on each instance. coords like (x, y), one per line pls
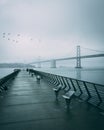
(49, 29)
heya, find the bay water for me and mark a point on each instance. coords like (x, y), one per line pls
(5, 71)
(94, 75)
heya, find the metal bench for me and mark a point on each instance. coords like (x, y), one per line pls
(32, 74)
(68, 96)
(57, 89)
(38, 78)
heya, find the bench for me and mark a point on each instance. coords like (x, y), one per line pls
(38, 78)
(57, 89)
(68, 96)
(32, 74)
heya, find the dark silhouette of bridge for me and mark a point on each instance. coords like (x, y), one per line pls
(78, 58)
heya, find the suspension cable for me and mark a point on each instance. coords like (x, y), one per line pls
(92, 49)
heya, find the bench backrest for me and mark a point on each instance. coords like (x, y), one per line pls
(70, 93)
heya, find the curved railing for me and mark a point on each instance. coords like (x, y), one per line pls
(6, 80)
(90, 92)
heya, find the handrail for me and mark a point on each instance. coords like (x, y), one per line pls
(90, 92)
(31, 70)
(5, 80)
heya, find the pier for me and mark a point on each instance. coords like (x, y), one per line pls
(30, 105)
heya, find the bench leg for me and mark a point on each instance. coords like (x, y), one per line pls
(67, 102)
(32, 75)
(56, 94)
(5, 88)
(38, 81)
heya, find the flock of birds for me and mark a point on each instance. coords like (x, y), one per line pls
(16, 38)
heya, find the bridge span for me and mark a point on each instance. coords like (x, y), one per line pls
(78, 58)
(53, 61)
(69, 58)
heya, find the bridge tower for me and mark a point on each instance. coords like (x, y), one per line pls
(53, 63)
(78, 58)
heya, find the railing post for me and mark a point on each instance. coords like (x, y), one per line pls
(60, 80)
(64, 84)
(72, 84)
(79, 88)
(68, 84)
(98, 95)
(87, 91)
(78, 58)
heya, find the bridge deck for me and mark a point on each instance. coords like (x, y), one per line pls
(31, 106)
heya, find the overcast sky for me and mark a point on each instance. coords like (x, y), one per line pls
(30, 29)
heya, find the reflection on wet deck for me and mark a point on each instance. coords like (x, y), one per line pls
(28, 105)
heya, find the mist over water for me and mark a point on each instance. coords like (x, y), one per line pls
(92, 69)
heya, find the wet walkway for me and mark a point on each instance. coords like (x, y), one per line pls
(28, 105)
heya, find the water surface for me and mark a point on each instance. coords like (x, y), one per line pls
(95, 75)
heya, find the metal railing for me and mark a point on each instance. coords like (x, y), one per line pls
(87, 91)
(6, 80)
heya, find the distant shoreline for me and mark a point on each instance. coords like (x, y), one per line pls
(14, 65)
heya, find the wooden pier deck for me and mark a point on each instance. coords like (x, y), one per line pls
(28, 105)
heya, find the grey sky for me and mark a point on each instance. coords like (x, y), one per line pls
(55, 27)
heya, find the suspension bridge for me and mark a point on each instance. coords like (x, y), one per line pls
(78, 58)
